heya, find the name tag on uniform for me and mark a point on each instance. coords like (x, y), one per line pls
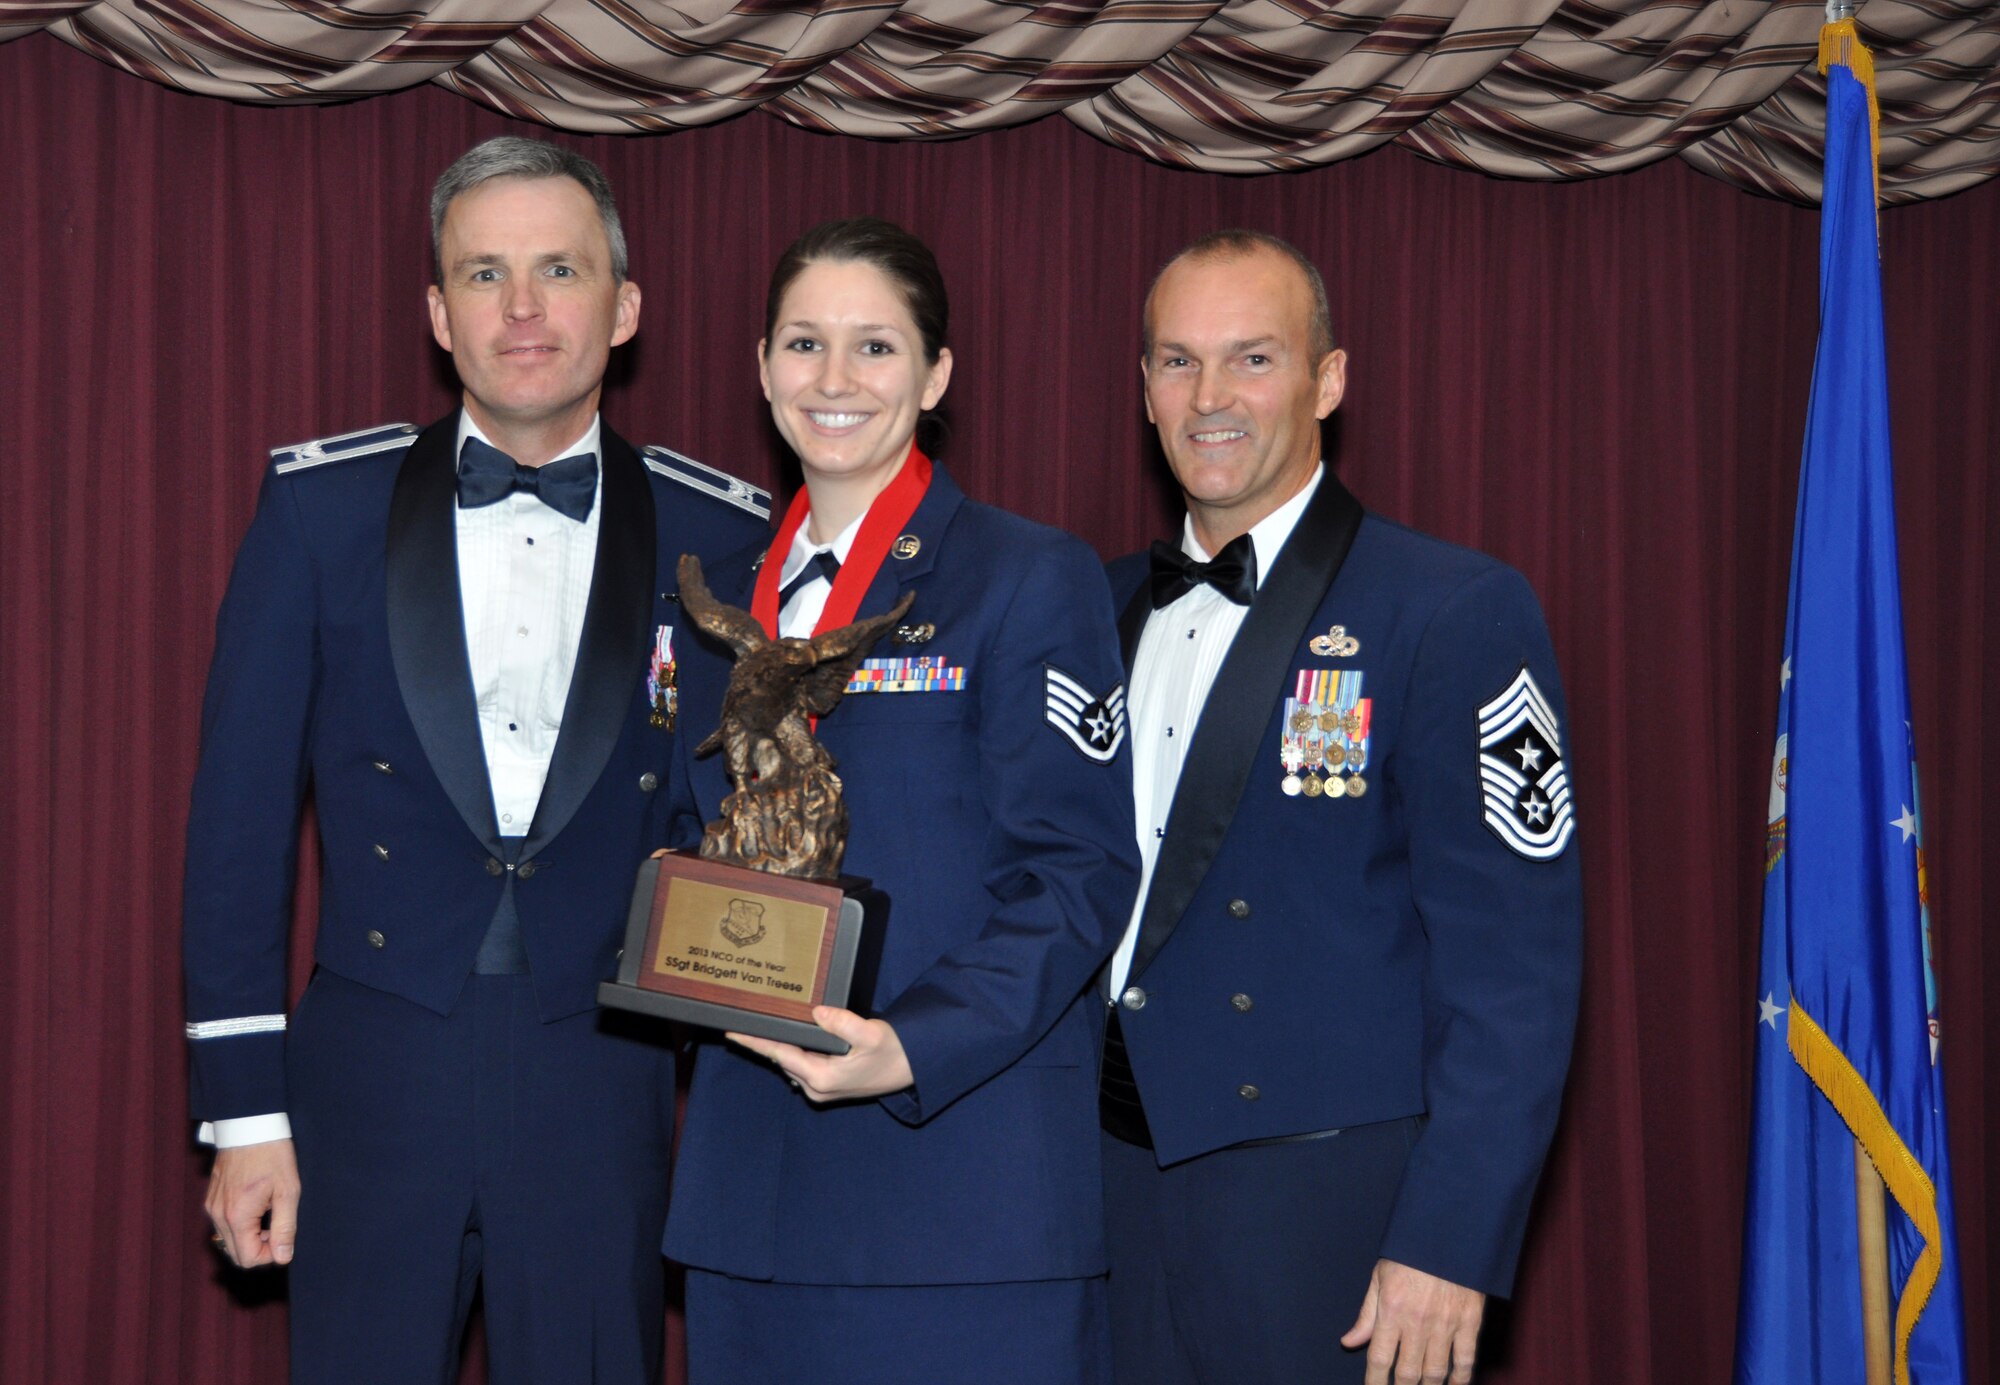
(935, 674)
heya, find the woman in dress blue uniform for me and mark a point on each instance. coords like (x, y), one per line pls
(927, 1207)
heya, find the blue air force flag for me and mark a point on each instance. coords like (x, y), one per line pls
(1846, 1011)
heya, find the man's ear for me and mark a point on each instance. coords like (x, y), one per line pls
(1332, 375)
(440, 319)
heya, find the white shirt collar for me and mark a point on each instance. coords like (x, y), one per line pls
(1267, 535)
(803, 548)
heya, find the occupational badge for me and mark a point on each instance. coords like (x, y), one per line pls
(1335, 644)
(1521, 771)
(1094, 725)
(663, 692)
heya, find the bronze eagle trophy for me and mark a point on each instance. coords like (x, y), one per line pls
(785, 816)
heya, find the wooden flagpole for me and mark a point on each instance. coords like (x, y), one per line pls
(1869, 1198)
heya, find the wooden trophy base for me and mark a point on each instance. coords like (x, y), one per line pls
(733, 949)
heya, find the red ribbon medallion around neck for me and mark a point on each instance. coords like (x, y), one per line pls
(888, 515)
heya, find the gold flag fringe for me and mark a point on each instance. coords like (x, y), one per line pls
(1906, 1179)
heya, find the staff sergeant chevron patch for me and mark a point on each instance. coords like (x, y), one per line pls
(1521, 772)
(1094, 725)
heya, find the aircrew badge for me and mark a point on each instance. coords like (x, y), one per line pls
(1335, 644)
(1326, 728)
(663, 692)
(1521, 772)
(1094, 725)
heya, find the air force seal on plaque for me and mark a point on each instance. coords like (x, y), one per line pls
(1521, 772)
(1094, 725)
(744, 924)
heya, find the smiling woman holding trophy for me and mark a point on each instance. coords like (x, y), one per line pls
(925, 1206)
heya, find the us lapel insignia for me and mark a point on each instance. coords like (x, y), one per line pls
(1094, 725)
(663, 692)
(1521, 772)
(1325, 730)
(907, 546)
(1335, 644)
(914, 634)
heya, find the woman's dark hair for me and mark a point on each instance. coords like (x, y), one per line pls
(903, 259)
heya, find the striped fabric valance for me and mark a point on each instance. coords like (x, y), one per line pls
(1515, 88)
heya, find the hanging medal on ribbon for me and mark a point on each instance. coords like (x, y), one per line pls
(1351, 718)
(1326, 722)
(1304, 721)
(662, 683)
(1291, 751)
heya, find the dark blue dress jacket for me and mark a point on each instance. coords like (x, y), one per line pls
(1008, 858)
(340, 666)
(1311, 963)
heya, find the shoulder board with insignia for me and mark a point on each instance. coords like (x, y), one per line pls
(345, 447)
(707, 479)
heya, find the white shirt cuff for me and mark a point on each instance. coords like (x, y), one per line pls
(245, 1130)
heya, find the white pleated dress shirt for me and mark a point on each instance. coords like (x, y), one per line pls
(1180, 652)
(523, 583)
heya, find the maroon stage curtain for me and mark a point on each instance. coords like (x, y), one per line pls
(1604, 383)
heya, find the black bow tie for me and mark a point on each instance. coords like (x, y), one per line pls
(486, 476)
(821, 564)
(1233, 572)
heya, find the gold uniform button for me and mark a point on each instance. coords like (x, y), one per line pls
(1240, 1002)
(1248, 1092)
(493, 867)
(375, 938)
(526, 870)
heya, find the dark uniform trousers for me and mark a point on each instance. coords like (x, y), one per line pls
(439, 1153)
(1245, 1266)
(917, 1334)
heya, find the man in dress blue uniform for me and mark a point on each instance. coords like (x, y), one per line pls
(461, 640)
(1340, 1018)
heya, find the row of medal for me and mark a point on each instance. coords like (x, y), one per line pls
(662, 687)
(1325, 734)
